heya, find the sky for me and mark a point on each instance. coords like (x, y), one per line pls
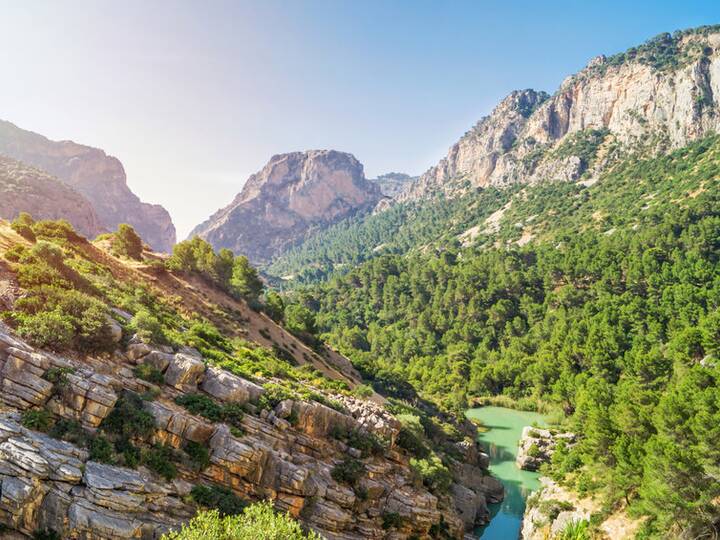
(195, 96)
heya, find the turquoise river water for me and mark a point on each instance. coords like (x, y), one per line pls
(504, 427)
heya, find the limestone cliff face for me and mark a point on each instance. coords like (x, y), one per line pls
(26, 189)
(285, 454)
(97, 176)
(292, 195)
(629, 102)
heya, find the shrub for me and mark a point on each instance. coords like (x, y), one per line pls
(159, 459)
(349, 471)
(258, 521)
(46, 534)
(202, 405)
(57, 229)
(128, 419)
(15, 253)
(37, 419)
(364, 441)
(575, 530)
(363, 391)
(147, 326)
(435, 476)
(534, 450)
(220, 498)
(198, 454)
(23, 225)
(149, 373)
(101, 449)
(273, 395)
(70, 431)
(391, 520)
(49, 329)
(127, 242)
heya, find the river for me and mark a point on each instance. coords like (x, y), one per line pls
(504, 427)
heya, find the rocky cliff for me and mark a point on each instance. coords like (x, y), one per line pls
(293, 195)
(98, 177)
(285, 453)
(651, 98)
(26, 189)
(392, 184)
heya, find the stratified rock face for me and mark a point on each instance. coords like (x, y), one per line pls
(97, 176)
(611, 107)
(286, 453)
(292, 195)
(26, 189)
(537, 446)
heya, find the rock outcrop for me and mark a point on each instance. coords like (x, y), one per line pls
(98, 177)
(624, 104)
(26, 189)
(537, 446)
(392, 184)
(285, 453)
(292, 196)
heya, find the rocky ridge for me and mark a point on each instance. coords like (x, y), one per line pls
(294, 195)
(98, 177)
(285, 453)
(26, 189)
(623, 104)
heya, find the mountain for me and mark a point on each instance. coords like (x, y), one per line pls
(392, 184)
(293, 195)
(94, 174)
(646, 101)
(26, 189)
(652, 98)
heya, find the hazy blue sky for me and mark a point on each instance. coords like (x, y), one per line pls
(195, 96)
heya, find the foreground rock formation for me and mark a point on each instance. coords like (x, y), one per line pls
(292, 196)
(98, 177)
(26, 189)
(285, 453)
(630, 102)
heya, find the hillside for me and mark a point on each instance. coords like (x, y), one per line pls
(26, 189)
(293, 196)
(646, 101)
(596, 302)
(135, 394)
(98, 177)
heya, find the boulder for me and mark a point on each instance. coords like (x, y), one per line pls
(184, 372)
(226, 386)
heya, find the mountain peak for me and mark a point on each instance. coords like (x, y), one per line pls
(291, 195)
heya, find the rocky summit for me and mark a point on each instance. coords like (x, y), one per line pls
(292, 196)
(98, 177)
(652, 98)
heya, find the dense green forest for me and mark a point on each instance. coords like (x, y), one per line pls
(610, 316)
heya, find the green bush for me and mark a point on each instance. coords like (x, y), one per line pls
(435, 476)
(147, 326)
(149, 373)
(159, 459)
(37, 419)
(126, 242)
(128, 419)
(258, 522)
(56, 230)
(349, 471)
(202, 405)
(198, 454)
(220, 498)
(391, 520)
(49, 329)
(101, 449)
(23, 225)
